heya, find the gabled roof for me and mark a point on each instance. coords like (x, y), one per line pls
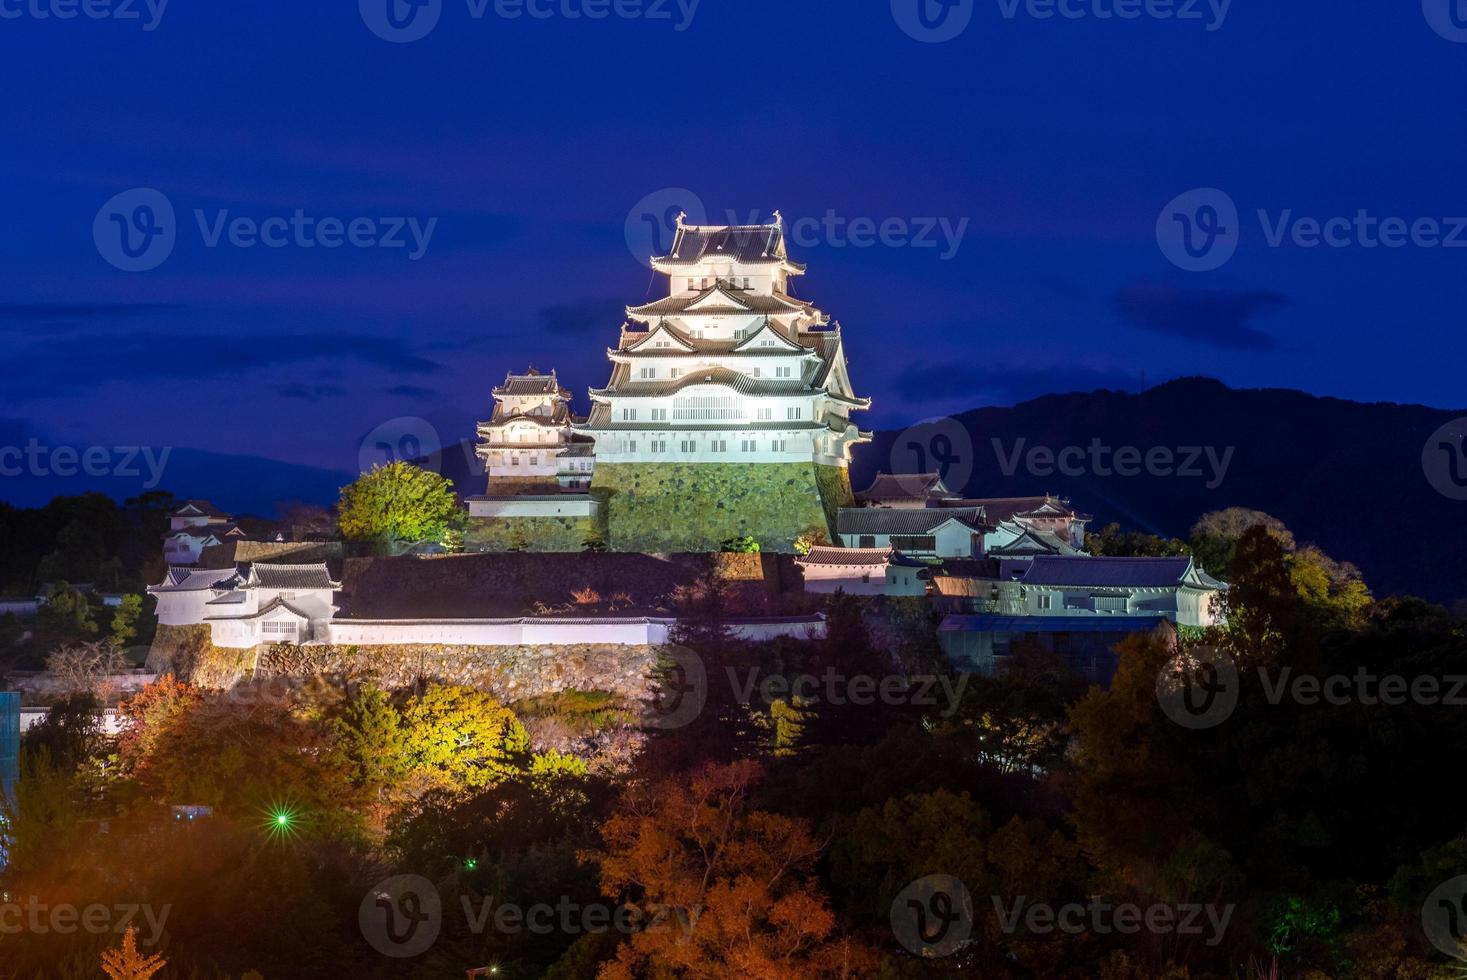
(905, 486)
(205, 531)
(1027, 541)
(860, 557)
(275, 605)
(180, 579)
(1001, 509)
(783, 343)
(532, 382)
(201, 508)
(722, 298)
(267, 576)
(747, 244)
(1084, 571)
(915, 520)
(725, 377)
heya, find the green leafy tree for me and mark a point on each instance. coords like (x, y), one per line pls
(1216, 534)
(398, 505)
(1113, 542)
(464, 739)
(65, 617)
(125, 620)
(745, 545)
(371, 741)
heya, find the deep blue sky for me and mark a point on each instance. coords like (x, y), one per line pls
(1059, 141)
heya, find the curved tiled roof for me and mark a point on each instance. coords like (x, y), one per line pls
(265, 576)
(726, 377)
(823, 555)
(739, 303)
(748, 244)
(913, 520)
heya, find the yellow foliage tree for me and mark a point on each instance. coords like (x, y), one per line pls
(127, 963)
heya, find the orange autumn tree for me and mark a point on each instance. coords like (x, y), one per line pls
(735, 886)
(127, 963)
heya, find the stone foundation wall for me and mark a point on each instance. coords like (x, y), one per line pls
(668, 507)
(187, 653)
(509, 673)
(542, 534)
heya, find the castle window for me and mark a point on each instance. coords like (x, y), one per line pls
(794, 413)
(783, 372)
(867, 541)
(675, 372)
(777, 445)
(706, 408)
(914, 542)
(748, 445)
(629, 415)
(659, 415)
(765, 414)
(690, 446)
(1044, 601)
(754, 373)
(648, 372)
(631, 445)
(718, 446)
(659, 445)
(692, 284)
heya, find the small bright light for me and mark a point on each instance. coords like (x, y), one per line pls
(282, 820)
(470, 864)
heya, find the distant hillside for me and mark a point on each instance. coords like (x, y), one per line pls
(1344, 475)
(238, 484)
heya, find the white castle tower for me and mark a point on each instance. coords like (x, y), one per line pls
(728, 409)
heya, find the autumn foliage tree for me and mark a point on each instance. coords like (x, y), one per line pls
(738, 882)
(398, 506)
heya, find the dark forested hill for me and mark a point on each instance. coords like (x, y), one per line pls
(1346, 476)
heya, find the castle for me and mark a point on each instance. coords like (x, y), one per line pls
(727, 415)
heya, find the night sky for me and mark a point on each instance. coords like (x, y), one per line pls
(1056, 144)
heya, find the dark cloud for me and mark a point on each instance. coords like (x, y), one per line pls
(412, 391)
(22, 315)
(309, 392)
(583, 316)
(1217, 317)
(997, 384)
(82, 362)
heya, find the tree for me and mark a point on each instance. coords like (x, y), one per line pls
(87, 668)
(125, 620)
(464, 739)
(127, 963)
(65, 616)
(398, 504)
(738, 884)
(371, 742)
(1113, 542)
(746, 545)
(148, 714)
(1215, 535)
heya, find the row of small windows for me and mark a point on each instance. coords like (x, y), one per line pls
(650, 373)
(713, 446)
(704, 283)
(713, 408)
